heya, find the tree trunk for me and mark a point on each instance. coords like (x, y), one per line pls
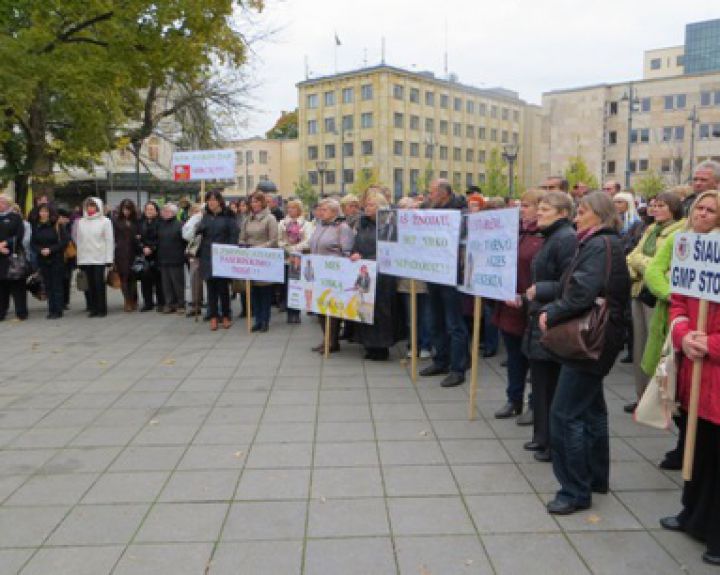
(39, 158)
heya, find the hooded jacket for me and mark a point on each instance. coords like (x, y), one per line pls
(94, 238)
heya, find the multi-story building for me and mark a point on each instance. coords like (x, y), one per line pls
(405, 127)
(261, 159)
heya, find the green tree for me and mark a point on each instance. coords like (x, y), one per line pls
(305, 192)
(425, 178)
(495, 175)
(365, 178)
(650, 185)
(286, 127)
(577, 171)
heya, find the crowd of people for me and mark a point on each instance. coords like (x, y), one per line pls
(575, 246)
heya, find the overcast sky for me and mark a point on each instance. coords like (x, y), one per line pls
(528, 46)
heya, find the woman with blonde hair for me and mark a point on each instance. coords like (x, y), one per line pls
(294, 233)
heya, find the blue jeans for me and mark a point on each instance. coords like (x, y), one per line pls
(579, 436)
(449, 334)
(424, 321)
(261, 300)
(517, 367)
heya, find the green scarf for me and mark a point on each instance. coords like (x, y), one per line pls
(650, 245)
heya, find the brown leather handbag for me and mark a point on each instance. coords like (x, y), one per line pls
(582, 337)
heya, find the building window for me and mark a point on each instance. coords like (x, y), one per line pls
(705, 98)
(398, 176)
(429, 125)
(251, 182)
(414, 149)
(633, 166)
(457, 180)
(493, 135)
(398, 92)
(366, 147)
(429, 98)
(414, 122)
(457, 104)
(675, 102)
(312, 178)
(493, 111)
(263, 157)
(704, 131)
(398, 120)
(330, 177)
(481, 133)
(330, 125)
(680, 60)
(470, 132)
(348, 149)
(366, 91)
(468, 180)
(239, 157)
(312, 100)
(398, 148)
(481, 178)
(415, 95)
(347, 122)
(665, 165)
(444, 98)
(679, 133)
(470, 107)
(469, 155)
(443, 152)
(443, 174)
(667, 133)
(329, 151)
(444, 127)
(642, 135)
(457, 129)
(312, 127)
(482, 109)
(613, 109)
(655, 63)
(429, 150)
(414, 177)
(366, 120)
(504, 137)
(516, 116)
(481, 156)
(348, 95)
(249, 157)
(330, 98)
(611, 167)
(505, 114)
(643, 165)
(312, 152)
(612, 138)
(645, 104)
(241, 182)
(348, 176)
(457, 154)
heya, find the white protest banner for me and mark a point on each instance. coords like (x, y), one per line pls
(257, 264)
(491, 254)
(695, 268)
(419, 244)
(204, 165)
(333, 286)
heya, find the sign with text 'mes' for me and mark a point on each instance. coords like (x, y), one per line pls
(203, 165)
(258, 264)
(695, 268)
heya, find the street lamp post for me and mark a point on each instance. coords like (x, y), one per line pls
(510, 154)
(321, 168)
(633, 104)
(693, 121)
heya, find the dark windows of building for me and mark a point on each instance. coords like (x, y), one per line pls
(702, 47)
(348, 95)
(330, 125)
(493, 135)
(414, 122)
(457, 154)
(398, 92)
(263, 157)
(348, 176)
(613, 109)
(398, 177)
(348, 150)
(429, 98)
(470, 107)
(457, 104)
(429, 150)
(398, 120)
(645, 104)
(444, 98)
(330, 98)
(516, 116)
(329, 151)
(312, 127)
(414, 149)
(366, 147)
(415, 95)
(366, 120)
(493, 111)
(457, 129)
(312, 178)
(398, 148)
(482, 109)
(470, 132)
(429, 125)
(312, 100)
(443, 152)
(347, 122)
(312, 152)
(481, 133)
(414, 177)
(481, 156)
(611, 167)
(505, 114)
(655, 63)
(469, 155)
(444, 127)
(504, 137)
(675, 102)
(330, 177)
(366, 91)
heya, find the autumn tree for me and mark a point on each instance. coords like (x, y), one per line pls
(286, 127)
(495, 179)
(578, 172)
(650, 185)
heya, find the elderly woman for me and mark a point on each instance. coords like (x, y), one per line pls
(49, 240)
(151, 282)
(12, 231)
(294, 233)
(579, 425)
(378, 337)
(260, 230)
(350, 206)
(127, 247)
(700, 515)
(331, 237)
(195, 283)
(217, 226)
(667, 213)
(171, 259)
(93, 235)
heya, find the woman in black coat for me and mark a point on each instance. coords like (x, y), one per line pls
(218, 226)
(378, 337)
(12, 231)
(150, 282)
(579, 426)
(556, 253)
(49, 240)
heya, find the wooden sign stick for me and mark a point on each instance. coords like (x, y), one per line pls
(413, 331)
(248, 305)
(477, 317)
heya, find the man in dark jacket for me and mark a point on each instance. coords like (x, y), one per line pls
(705, 177)
(12, 231)
(171, 259)
(449, 334)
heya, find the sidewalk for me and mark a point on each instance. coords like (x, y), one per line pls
(146, 444)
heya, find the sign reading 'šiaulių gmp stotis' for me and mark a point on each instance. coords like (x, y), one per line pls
(695, 270)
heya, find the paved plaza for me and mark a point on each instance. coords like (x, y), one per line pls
(146, 444)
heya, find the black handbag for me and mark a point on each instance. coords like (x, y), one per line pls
(646, 296)
(140, 266)
(18, 265)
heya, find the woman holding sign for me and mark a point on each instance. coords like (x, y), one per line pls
(578, 417)
(700, 516)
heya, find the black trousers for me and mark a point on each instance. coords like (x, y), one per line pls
(544, 376)
(16, 289)
(218, 292)
(151, 285)
(53, 275)
(97, 290)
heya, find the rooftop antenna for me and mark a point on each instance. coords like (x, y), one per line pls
(364, 57)
(307, 68)
(382, 51)
(445, 59)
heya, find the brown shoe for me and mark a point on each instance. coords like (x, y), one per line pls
(226, 323)
(170, 310)
(213, 324)
(128, 306)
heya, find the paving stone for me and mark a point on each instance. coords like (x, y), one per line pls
(12, 559)
(148, 458)
(345, 431)
(74, 560)
(258, 558)
(650, 506)
(201, 457)
(510, 514)
(200, 486)
(686, 550)
(269, 484)
(410, 453)
(475, 451)
(419, 480)
(404, 430)
(175, 558)
(360, 453)
(53, 489)
(182, 522)
(127, 487)
(99, 525)
(277, 455)
(429, 516)
(490, 478)
(606, 514)
(266, 520)
(541, 553)
(350, 556)
(347, 482)
(449, 555)
(81, 460)
(347, 518)
(28, 526)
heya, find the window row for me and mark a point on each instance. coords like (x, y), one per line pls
(642, 135)
(247, 156)
(347, 94)
(413, 179)
(708, 131)
(667, 165)
(710, 98)
(251, 181)
(470, 106)
(348, 150)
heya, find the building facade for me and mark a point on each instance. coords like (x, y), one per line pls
(702, 47)
(260, 159)
(403, 128)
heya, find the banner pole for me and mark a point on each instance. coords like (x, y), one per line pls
(327, 337)
(413, 331)
(248, 305)
(689, 455)
(202, 191)
(477, 317)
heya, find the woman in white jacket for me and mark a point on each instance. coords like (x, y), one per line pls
(95, 243)
(294, 237)
(194, 281)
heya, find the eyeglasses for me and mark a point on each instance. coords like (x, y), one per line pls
(557, 188)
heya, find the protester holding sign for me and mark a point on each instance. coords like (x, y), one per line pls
(579, 426)
(260, 230)
(331, 237)
(700, 516)
(294, 233)
(217, 226)
(378, 337)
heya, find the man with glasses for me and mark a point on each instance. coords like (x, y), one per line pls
(555, 184)
(706, 177)
(612, 187)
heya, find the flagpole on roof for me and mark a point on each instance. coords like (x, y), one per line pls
(337, 43)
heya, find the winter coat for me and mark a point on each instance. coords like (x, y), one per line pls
(294, 235)
(260, 230)
(170, 245)
(149, 236)
(333, 238)
(547, 268)
(632, 236)
(52, 237)
(582, 283)
(688, 307)
(12, 231)
(638, 261)
(513, 320)
(215, 229)
(94, 238)
(127, 245)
